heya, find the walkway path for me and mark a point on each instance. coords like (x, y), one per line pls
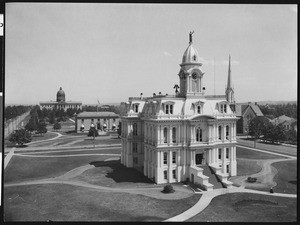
(264, 177)
(50, 139)
(207, 196)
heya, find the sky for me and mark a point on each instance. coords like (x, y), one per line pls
(111, 51)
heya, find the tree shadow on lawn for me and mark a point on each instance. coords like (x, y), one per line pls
(293, 182)
(120, 173)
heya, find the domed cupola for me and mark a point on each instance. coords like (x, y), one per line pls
(60, 96)
(190, 55)
(190, 74)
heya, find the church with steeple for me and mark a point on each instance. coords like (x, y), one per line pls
(188, 136)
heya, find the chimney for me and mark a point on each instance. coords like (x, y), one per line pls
(141, 95)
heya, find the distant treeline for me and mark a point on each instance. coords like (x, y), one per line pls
(12, 112)
(273, 111)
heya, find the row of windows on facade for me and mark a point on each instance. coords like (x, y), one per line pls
(165, 155)
(168, 109)
(92, 120)
(199, 133)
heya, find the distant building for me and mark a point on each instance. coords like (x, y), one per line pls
(245, 112)
(287, 122)
(173, 138)
(61, 103)
(103, 121)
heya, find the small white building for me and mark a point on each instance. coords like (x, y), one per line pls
(177, 138)
(103, 121)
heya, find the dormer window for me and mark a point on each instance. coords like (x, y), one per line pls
(168, 108)
(194, 57)
(223, 108)
(198, 107)
(135, 107)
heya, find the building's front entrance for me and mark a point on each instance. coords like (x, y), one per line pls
(199, 159)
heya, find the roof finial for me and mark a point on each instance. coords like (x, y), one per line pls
(191, 37)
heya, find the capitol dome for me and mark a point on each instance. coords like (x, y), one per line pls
(60, 96)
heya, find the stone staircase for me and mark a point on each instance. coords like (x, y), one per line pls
(213, 178)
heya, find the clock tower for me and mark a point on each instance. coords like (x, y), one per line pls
(190, 74)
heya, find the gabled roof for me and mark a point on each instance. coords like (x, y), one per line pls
(282, 119)
(241, 108)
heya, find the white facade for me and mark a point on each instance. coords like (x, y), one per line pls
(172, 138)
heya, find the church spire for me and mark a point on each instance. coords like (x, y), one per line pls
(229, 83)
(229, 90)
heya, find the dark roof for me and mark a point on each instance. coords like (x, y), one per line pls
(97, 114)
(242, 107)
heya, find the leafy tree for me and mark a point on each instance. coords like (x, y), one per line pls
(70, 112)
(41, 128)
(57, 126)
(93, 132)
(52, 117)
(12, 112)
(257, 127)
(31, 125)
(20, 137)
(291, 136)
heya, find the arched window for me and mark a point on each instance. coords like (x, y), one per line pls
(227, 132)
(165, 135)
(134, 132)
(199, 135)
(174, 135)
(220, 132)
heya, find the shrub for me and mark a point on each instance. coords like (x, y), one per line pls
(168, 189)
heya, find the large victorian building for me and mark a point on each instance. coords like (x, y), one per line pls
(177, 138)
(61, 103)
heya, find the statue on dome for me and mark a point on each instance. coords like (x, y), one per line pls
(176, 88)
(191, 36)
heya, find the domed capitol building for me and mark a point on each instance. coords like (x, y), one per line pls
(61, 102)
(188, 136)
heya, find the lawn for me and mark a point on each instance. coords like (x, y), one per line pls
(246, 167)
(30, 168)
(38, 137)
(286, 178)
(78, 141)
(251, 154)
(58, 202)
(248, 207)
